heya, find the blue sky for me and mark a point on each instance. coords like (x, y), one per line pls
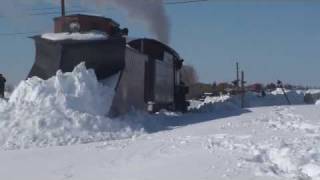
(270, 39)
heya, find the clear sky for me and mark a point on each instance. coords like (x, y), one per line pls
(270, 39)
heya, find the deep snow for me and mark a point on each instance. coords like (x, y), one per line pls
(216, 140)
(265, 143)
(69, 108)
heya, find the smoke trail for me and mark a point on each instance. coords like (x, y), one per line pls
(151, 12)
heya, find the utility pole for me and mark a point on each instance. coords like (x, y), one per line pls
(237, 71)
(236, 83)
(280, 85)
(242, 89)
(63, 10)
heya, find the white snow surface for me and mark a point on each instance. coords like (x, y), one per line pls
(313, 91)
(61, 122)
(93, 35)
(68, 108)
(266, 143)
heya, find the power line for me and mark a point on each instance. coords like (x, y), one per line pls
(185, 2)
(79, 8)
(45, 8)
(18, 33)
(56, 10)
(42, 13)
(76, 11)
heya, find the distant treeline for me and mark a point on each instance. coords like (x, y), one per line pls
(197, 90)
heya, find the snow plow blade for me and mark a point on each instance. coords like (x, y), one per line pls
(149, 71)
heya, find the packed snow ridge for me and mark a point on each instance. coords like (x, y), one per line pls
(93, 35)
(68, 108)
(227, 103)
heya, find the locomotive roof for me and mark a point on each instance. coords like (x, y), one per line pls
(88, 16)
(166, 47)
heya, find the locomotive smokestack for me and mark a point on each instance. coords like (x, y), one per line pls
(63, 10)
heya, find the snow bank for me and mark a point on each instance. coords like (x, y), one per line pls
(313, 96)
(313, 91)
(66, 109)
(297, 160)
(275, 98)
(78, 90)
(232, 103)
(218, 104)
(93, 35)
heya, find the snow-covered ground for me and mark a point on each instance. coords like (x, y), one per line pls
(57, 129)
(260, 143)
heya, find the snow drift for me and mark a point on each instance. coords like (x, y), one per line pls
(222, 104)
(68, 108)
(233, 103)
(71, 108)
